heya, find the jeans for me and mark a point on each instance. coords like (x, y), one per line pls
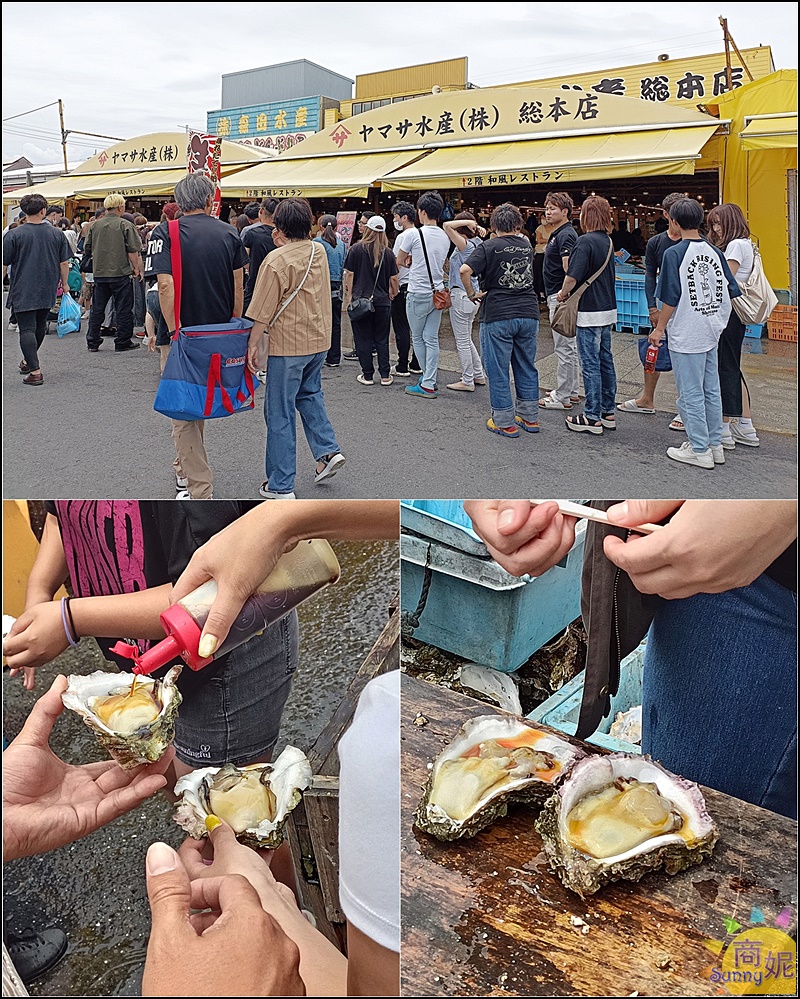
(719, 700)
(121, 290)
(599, 376)
(32, 331)
(699, 401)
(424, 321)
(511, 342)
(373, 330)
(139, 308)
(568, 369)
(402, 331)
(731, 380)
(294, 383)
(334, 355)
(462, 314)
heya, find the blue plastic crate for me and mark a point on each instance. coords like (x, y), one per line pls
(476, 609)
(784, 296)
(632, 311)
(561, 711)
(755, 330)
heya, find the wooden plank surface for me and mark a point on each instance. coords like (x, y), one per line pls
(485, 916)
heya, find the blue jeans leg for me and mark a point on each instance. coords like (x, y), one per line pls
(597, 364)
(294, 383)
(719, 702)
(699, 400)
(523, 365)
(497, 344)
(424, 321)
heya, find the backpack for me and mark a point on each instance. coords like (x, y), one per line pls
(75, 279)
(758, 300)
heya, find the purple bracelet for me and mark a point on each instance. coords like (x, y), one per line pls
(70, 639)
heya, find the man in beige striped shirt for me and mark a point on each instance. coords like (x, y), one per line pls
(291, 311)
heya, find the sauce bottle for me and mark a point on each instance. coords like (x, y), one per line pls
(298, 574)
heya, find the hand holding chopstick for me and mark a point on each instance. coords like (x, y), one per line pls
(589, 513)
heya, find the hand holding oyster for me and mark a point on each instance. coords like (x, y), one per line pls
(132, 717)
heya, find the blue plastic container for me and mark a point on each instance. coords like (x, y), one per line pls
(561, 711)
(632, 312)
(755, 330)
(476, 609)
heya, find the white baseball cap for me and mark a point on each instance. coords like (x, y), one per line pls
(376, 223)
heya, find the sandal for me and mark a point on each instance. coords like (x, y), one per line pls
(609, 421)
(551, 401)
(677, 424)
(582, 423)
(631, 406)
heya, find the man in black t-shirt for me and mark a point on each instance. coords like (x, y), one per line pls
(557, 211)
(258, 241)
(509, 321)
(654, 253)
(212, 292)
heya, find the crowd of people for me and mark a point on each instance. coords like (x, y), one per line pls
(294, 276)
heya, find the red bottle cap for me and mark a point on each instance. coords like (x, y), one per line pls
(183, 637)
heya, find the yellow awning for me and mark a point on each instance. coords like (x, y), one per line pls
(770, 132)
(543, 161)
(53, 190)
(130, 185)
(320, 177)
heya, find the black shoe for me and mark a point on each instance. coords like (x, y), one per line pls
(34, 954)
(94, 349)
(414, 371)
(351, 356)
(108, 331)
(130, 345)
(332, 364)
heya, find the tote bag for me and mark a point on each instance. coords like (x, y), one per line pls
(565, 316)
(206, 375)
(758, 300)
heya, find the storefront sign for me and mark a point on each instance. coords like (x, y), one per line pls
(163, 155)
(527, 177)
(276, 118)
(276, 142)
(274, 192)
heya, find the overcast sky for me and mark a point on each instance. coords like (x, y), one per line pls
(126, 69)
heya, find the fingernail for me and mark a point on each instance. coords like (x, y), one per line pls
(161, 859)
(506, 518)
(208, 644)
(212, 822)
(620, 510)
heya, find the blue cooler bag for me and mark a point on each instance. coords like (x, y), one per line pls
(206, 374)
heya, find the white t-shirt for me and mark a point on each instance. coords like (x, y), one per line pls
(741, 250)
(400, 243)
(369, 813)
(437, 243)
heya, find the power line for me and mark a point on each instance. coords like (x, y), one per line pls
(23, 113)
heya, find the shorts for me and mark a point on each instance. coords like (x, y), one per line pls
(234, 714)
(154, 310)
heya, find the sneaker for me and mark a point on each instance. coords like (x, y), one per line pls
(461, 387)
(387, 381)
(265, 493)
(23, 368)
(34, 954)
(130, 345)
(479, 381)
(502, 431)
(400, 374)
(744, 436)
(183, 494)
(531, 426)
(684, 453)
(261, 375)
(718, 453)
(728, 442)
(32, 379)
(413, 370)
(551, 401)
(181, 482)
(365, 381)
(332, 364)
(332, 463)
(608, 421)
(13, 328)
(351, 355)
(420, 392)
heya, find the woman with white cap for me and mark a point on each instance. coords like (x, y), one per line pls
(370, 275)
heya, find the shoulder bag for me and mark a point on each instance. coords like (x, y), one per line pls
(360, 308)
(565, 317)
(441, 298)
(206, 374)
(291, 297)
(757, 300)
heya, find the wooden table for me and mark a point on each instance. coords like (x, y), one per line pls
(485, 916)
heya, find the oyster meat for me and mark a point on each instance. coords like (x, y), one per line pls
(492, 760)
(620, 816)
(134, 725)
(254, 800)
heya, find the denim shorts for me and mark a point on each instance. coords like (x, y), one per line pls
(231, 710)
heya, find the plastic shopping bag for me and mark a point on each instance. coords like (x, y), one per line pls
(69, 315)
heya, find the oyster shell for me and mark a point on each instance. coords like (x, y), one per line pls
(133, 729)
(492, 760)
(255, 800)
(620, 816)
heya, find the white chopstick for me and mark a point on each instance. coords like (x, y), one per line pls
(589, 513)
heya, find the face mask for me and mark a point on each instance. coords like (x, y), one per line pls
(398, 226)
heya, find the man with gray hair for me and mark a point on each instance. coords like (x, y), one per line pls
(212, 292)
(115, 248)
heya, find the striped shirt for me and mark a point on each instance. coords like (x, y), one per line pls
(304, 326)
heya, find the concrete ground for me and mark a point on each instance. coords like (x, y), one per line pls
(91, 431)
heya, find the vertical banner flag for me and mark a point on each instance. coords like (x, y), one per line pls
(345, 223)
(203, 157)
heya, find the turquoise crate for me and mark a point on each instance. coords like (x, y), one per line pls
(561, 711)
(632, 312)
(755, 330)
(784, 296)
(476, 609)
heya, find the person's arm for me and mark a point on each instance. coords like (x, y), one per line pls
(238, 291)
(49, 569)
(242, 556)
(465, 271)
(707, 547)
(664, 316)
(522, 538)
(166, 299)
(456, 238)
(64, 268)
(650, 272)
(136, 265)
(394, 286)
(372, 970)
(734, 266)
(46, 803)
(347, 288)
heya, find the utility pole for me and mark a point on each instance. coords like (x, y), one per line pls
(728, 72)
(63, 135)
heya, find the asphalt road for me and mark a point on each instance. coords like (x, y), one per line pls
(91, 431)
